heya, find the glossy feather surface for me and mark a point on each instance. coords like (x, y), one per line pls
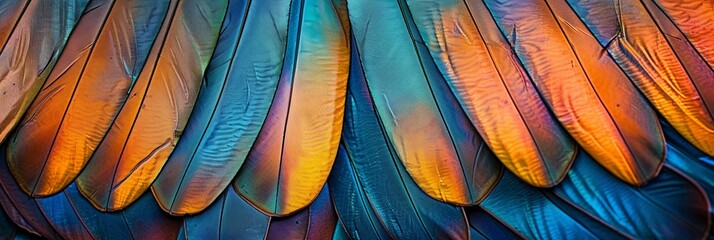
(494, 90)
(293, 154)
(232, 105)
(153, 117)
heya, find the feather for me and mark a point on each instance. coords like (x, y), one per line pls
(45, 153)
(373, 193)
(232, 104)
(590, 203)
(30, 53)
(229, 217)
(310, 223)
(689, 161)
(617, 127)
(494, 90)
(21, 208)
(152, 119)
(293, 154)
(10, 13)
(485, 225)
(75, 218)
(692, 18)
(421, 118)
(659, 61)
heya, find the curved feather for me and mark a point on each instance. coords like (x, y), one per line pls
(10, 13)
(374, 195)
(30, 53)
(693, 18)
(73, 110)
(421, 118)
(618, 127)
(293, 154)
(232, 105)
(494, 90)
(485, 226)
(656, 56)
(152, 119)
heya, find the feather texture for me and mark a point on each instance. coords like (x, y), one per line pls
(590, 203)
(659, 60)
(152, 119)
(231, 107)
(74, 107)
(10, 13)
(494, 90)
(692, 18)
(30, 53)
(296, 147)
(374, 195)
(231, 217)
(440, 147)
(617, 127)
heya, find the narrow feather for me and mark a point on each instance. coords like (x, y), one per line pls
(293, 154)
(422, 120)
(152, 119)
(667, 69)
(10, 13)
(374, 195)
(229, 217)
(617, 127)
(31, 52)
(494, 90)
(313, 222)
(232, 105)
(694, 18)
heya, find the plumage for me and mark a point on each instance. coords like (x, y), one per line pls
(292, 156)
(30, 53)
(663, 65)
(374, 195)
(153, 117)
(422, 120)
(10, 13)
(692, 18)
(618, 127)
(356, 119)
(231, 107)
(231, 217)
(494, 90)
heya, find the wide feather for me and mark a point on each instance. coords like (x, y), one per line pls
(617, 127)
(659, 60)
(152, 119)
(495, 91)
(292, 156)
(374, 195)
(313, 222)
(73, 110)
(30, 53)
(421, 118)
(10, 13)
(233, 102)
(693, 18)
